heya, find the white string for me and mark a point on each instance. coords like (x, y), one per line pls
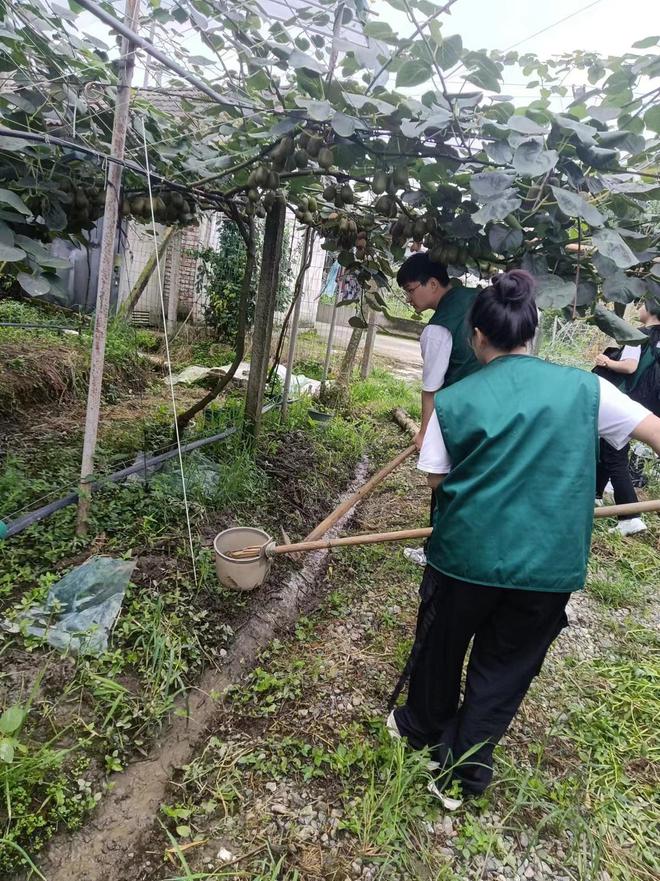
(167, 351)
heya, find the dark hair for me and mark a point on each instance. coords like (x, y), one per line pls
(652, 306)
(420, 267)
(506, 311)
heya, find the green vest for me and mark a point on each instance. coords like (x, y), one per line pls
(647, 359)
(516, 509)
(452, 312)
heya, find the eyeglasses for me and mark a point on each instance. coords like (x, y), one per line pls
(410, 291)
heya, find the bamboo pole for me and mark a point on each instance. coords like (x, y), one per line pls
(106, 265)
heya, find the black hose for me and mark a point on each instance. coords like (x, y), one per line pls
(21, 523)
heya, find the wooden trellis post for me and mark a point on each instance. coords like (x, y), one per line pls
(106, 265)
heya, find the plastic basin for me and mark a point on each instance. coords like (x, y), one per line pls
(241, 574)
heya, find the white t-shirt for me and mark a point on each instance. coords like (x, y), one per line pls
(436, 344)
(618, 417)
(630, 353)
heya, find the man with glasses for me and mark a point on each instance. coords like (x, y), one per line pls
(447, 355)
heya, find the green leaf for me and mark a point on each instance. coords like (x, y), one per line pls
(554, 292)
(487, 184)
(610, 244)
(498, 208)
(6, 234)
(13, 145)
(575, 206)
(183, 831)
(646, 43)
(610, 323)
(531, 160)
(8, 254)
(622, 288)
(499, 152)
(526, 126)
(344, 125)
(41, 255)
(585, 133)
(413, 73)
(320, 111)
(449, 53)
(6, 751)
(12, 719)
(34, 285)
(652, 118)
(504, 240)
(7, 197)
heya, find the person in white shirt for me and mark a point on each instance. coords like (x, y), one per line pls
(614, 465)
(446, 352)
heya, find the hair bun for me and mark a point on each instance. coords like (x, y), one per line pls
(514, 288)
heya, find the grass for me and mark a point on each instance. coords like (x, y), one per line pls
(102, 710)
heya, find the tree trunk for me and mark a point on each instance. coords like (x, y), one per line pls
(246, 291)
(263, 317)
(348, 361)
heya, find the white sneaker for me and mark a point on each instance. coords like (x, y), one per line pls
(449, 804)
(395, 734)
(630, 527)
(392, 727)
(415, 555)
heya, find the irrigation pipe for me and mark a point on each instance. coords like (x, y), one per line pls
(21, 523)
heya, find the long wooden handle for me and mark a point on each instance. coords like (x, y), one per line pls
(377, 537)
(367, 539)
(364, 490)
(624, 510)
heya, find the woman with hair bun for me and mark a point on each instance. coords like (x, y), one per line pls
(511, 454)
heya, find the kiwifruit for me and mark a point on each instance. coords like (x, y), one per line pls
(437, 254)
(261, 176)
(347, 194)
(303, 140)
(329, 193)
(384, 204)
(339, 202)
(253, 195)
(312, 204)
(287, 145)
(431, 223)
(303, 204)
(325, 157)
(308, 218)
(314, 146)
(273, 180)
(301, 158)
(261, 211)
(419, 229)
(252, 179)
(80, 199)
(176, 200)
(137, 206)
(299, 215)
(159, 208)
(379, 182)
(400, 177)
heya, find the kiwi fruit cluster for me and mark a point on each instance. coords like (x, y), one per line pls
(82, 203)
(168, 206)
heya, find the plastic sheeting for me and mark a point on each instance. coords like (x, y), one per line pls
(80, 610)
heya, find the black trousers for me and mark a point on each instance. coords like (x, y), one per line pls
(613, 465)
(512, 631)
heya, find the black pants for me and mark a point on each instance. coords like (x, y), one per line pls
(613, 465)
(512, 631)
